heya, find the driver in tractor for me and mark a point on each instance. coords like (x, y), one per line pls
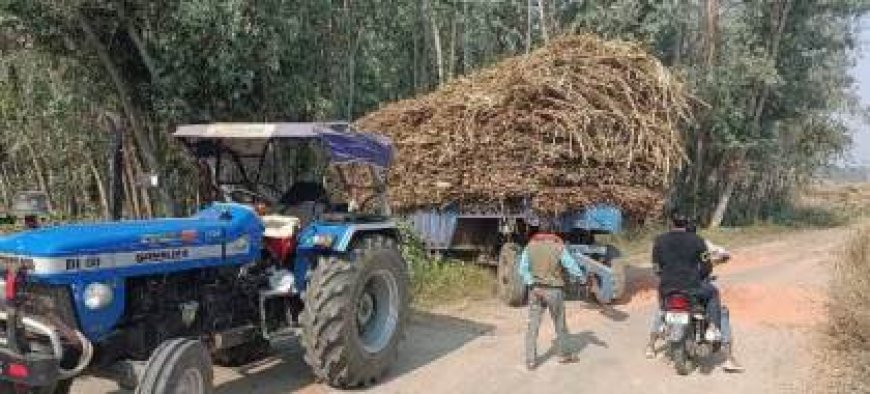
(684, 261)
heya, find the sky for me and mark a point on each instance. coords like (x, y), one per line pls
(860, 153)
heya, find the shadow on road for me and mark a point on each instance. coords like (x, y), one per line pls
(429, 338)
(432, 336)
(575, 344)
(283, 372)
(638, 280)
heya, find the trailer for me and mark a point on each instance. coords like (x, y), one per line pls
(496, 237)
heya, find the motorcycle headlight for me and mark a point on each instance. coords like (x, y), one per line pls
(98, 295)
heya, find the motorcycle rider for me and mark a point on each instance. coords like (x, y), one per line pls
(682, 259)
(542, 267)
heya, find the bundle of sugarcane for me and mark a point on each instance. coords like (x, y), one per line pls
(580, 121)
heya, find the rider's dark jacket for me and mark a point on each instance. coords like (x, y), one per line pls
(678, 257)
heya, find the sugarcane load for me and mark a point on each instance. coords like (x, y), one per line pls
(579, 121)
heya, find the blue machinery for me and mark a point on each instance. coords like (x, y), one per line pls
(496, 237)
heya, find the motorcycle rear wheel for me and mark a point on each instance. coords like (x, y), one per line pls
(682, 363)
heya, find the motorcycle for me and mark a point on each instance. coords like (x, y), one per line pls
(685, 330)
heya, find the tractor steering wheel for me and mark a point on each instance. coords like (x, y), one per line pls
(244, 196)
(366, 201)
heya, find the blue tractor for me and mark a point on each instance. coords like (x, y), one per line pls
(496, 236)
(153, 303)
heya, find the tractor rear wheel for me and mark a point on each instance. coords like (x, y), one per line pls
(511, 288)
(356, 306)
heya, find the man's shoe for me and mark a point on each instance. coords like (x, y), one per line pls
(531, 366)
(568, 359)
(650, 351)
(731, 364)
(713, 334)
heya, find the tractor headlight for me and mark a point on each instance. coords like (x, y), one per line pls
(98, 295)
(322, 240)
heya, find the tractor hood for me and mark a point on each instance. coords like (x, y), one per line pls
(214, 225)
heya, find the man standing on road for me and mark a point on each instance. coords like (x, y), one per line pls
(542, 267)
(682, 260)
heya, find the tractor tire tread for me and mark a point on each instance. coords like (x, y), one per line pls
(166, 359)
(325, 322)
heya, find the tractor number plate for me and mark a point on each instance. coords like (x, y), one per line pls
(677, 318)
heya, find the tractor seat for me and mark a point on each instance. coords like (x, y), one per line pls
(279, 226)
(305, 201)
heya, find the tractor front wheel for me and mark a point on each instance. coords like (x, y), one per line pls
(178, 365)
(356, 306)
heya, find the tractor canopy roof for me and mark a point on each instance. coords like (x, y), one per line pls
(344, 144)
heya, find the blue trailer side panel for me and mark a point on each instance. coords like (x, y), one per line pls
(600, 218)
(436, 228)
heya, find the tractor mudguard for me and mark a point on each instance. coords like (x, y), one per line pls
(324, 239)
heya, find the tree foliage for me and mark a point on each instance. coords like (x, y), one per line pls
(770, 77)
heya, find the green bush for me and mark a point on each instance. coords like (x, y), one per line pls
(437, 281)
(812, 216)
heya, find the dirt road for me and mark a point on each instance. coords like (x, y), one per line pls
(775, 291)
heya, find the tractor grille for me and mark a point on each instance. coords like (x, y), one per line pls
(50, 301)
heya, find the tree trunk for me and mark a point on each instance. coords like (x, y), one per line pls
(4, 185)
(722, 205)
(698, 167)
(129, 195)
(353, 34)
(148, 210)
(101, 188)
(451, 53)
(779, 16)
(40, 175)
(529, 26)
(133, 196)
(542, 9)
(711, 30)
(123, 91)
(466, 41)
(436, 40)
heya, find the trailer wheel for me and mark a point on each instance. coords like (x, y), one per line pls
(619, 280)
(356, 306)
(511, 288)
(178, 366)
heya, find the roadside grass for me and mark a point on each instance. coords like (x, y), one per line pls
(849, 318)
(438, 281)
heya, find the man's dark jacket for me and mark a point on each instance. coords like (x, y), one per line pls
(679, 256)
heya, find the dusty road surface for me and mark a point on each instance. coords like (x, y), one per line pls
(775, 291)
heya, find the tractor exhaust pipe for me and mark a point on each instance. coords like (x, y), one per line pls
(116, 155)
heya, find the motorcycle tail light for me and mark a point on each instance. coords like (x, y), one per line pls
(677, 303)
(18, 371)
